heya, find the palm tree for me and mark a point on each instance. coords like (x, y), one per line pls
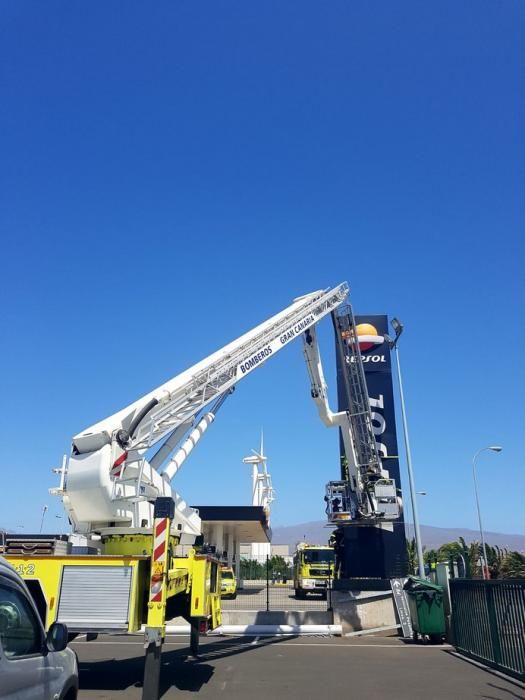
(513, 565)
(459, 551)
(496, 558)
(475, 558)
(412, 556)
(431, 556)
(501, 562)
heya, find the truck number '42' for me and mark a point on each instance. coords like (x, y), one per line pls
(25, 569)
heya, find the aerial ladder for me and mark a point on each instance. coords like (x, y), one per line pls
(367, 495)
(119, 466)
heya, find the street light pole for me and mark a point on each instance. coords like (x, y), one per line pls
(398, 329)
(419, 493)
(44, 509)
(485, 562)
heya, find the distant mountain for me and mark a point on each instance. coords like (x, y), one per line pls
(433, 537)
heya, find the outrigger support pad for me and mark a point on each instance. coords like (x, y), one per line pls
(151, 682)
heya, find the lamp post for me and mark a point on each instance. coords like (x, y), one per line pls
(485, 562)
(419, 493)
(398, 329)
(44, 509)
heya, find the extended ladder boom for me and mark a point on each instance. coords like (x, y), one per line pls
(359, 414)
(109, 482)
(185, 395)
(366, 493)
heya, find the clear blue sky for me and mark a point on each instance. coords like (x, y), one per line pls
(174, 173)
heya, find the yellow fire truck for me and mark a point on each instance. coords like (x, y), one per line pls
(116, 490)
(138, 582)
(313, 569)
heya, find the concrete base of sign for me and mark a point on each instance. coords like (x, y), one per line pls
(286, 617)
(278, 630)
(357, 611)
(354, 612)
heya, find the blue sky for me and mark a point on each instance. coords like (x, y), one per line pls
(172, 175)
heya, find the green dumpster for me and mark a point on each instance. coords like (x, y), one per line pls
(427, 612)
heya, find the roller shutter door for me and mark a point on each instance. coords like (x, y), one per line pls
(95, 597)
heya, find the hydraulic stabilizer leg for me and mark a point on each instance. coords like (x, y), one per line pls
(194, 636)
(151, 683)
(156, 623)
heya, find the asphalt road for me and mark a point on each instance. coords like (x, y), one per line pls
(304, 667)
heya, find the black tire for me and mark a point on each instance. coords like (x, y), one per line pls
(435, 638)
(70, 694)
(299, 594)
(234, 596)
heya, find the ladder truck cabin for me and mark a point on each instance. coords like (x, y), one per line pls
(116, 490)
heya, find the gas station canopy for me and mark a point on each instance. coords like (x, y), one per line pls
(245, 523)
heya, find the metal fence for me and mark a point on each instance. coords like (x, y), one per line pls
(266, 584)
(488, 622)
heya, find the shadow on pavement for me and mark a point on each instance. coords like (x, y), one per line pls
(179, 668)
(423, 642)
(493, 672)
(503, 690)
(249, 591)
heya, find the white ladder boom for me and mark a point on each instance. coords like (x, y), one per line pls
(183, 397)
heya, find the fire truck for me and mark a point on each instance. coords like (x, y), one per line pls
(116, 489)
(313, 569)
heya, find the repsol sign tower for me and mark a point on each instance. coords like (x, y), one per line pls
(375, 551)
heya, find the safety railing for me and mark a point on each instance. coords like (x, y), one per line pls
(488, 622)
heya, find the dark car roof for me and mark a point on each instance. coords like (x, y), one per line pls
(7, 571)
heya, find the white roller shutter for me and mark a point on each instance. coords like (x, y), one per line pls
(95, 597)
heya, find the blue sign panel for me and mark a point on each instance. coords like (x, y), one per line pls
(378, 552)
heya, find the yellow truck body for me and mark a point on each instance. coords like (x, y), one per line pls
(313, 569)
(110, 592)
